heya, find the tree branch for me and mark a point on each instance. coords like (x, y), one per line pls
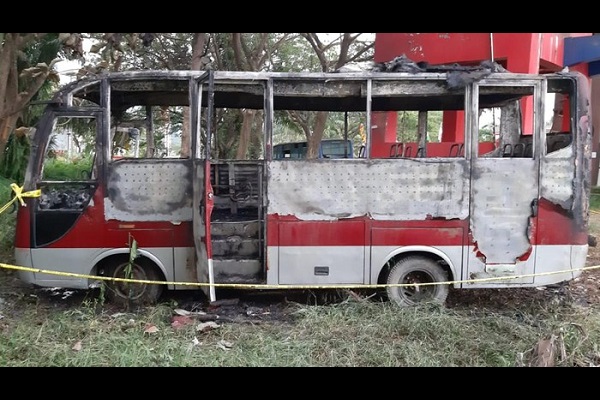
(315, 43)
(39, 77)
(236, 44)
(260, 52)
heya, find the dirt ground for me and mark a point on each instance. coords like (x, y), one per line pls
(253, 306)
(587, 288)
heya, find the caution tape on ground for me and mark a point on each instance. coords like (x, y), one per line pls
(295, 287)
(19, 195)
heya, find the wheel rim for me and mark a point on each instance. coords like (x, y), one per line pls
(128, 290)
(417, 294)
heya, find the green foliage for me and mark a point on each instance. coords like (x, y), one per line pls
(408, 121)
(44, 51)
(295, 55)
(595, 198)
(14, 162)
(81, 130)
(60, 169)
(14, 159)
(230, 122)
(222, 50)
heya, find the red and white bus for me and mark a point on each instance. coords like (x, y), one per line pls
(503, 205)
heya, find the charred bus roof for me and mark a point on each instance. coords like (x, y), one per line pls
(389, 91)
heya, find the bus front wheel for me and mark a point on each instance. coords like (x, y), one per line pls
(129, 293)
(417, 280)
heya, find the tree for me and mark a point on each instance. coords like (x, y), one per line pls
(26, 64)
(198, 63)
(331, 55)
(169, 51)
(246, 52)
(283, 52)
(21, 81)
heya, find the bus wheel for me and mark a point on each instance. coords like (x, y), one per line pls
(416, 270)
(134, 293)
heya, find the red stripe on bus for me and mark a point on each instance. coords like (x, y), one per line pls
(555, 225)
(319, 233)
(355, 232)
(146, 234)
(92, 231)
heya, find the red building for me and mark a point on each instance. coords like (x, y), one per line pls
(517, 52)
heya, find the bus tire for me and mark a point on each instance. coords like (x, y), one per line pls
(414, 270)
(127, 293)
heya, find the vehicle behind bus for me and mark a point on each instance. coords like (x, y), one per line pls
(329, 148)
(499, 201)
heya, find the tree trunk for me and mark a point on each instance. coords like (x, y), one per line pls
(7, 125)
(8, 85)
(13, 99)
(257, 137)
(150, 145)
(185, 134)
(244, 143)
(314, 140)
(197, 64)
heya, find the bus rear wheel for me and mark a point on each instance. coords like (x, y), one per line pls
(128, 293)
(416, 270)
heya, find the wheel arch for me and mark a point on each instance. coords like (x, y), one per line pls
(423, 251)
(109, 256)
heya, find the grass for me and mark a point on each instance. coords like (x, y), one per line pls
(38, 330)
(346, 334)
(595, 198)
(68, 170)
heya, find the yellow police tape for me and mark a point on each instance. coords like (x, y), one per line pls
(19, 195)
(301, 287)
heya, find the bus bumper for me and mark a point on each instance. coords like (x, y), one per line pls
(23, 259)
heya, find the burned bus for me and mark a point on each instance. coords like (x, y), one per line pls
(503, 206)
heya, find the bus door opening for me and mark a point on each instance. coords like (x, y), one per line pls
(68, 181)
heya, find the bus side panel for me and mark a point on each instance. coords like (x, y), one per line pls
(381, 189)
(22, 229)
(93, 237)
(92, 230)
(562, 228)
(504, 192)
(63, 262)
(558, 205)
(320, 214)
(149, 190)
(321, 252)
(305, 250)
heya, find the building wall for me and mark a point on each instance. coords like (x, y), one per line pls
(517, 52)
